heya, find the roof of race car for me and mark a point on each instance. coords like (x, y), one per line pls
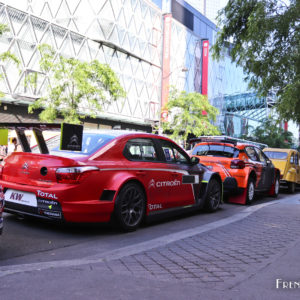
(226, 140)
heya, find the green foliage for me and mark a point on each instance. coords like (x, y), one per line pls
(264, 39)
(270, 133)
(3, 28)
(186, 115)
(74, 84)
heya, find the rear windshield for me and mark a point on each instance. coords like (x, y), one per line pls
(215, 150)
(276, 155)
(91, 142)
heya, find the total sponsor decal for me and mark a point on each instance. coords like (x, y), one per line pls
(154, 206)
(46, 195)
(159, 184)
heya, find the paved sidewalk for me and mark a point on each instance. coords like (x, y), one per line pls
(220, 257)
(240, 260)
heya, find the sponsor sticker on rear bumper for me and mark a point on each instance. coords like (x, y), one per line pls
(21, 197)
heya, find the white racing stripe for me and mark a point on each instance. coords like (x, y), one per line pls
(146, 169)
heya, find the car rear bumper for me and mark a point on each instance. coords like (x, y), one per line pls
(285, 182)
(67, 206)
(86, 212)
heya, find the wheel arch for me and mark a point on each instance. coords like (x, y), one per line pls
(252, 175)
(277, 173)
(132, 180)
(206, 179)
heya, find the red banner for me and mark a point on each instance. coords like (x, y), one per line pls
(205, 48)
(166, 66)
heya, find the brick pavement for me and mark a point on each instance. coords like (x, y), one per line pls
(221, 255)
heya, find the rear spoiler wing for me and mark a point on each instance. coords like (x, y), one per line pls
(216, 139)
(37, 129)
(224, 139)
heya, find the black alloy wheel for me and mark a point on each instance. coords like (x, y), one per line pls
(213, 195)
(130, 207)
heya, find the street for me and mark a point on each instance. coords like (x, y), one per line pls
(238, 252)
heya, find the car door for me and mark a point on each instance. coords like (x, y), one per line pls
(268, 170)
(257, 165)
(185, 179)
(148, 166)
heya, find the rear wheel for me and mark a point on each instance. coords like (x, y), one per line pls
(291, 187)
(213, 195)
(130, 207)
(250, 191)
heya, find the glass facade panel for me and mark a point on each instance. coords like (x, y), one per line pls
(127, 35)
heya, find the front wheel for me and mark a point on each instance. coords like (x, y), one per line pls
(250, 191)
(130, 207)
(276, 187)
(213, 195)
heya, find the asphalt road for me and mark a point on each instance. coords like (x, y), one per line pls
(25, 240)
(236, 250)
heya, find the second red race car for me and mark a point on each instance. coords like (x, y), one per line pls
(244, 168)
(117, 174)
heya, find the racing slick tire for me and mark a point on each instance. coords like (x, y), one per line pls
(291, 187)
(213, 195)
(130, 207)
(250, 192)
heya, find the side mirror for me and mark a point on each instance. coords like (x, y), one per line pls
(195, 160)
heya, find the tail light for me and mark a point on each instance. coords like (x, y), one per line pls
(237, 164)
(73, 174)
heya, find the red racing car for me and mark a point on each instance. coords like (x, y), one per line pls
(117, 174)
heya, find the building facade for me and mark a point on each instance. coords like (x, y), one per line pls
(149, 44)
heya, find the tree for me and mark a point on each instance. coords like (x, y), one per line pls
(270, 133)
(6, 56)
(264, 39)
(74, 85)
(190, 113)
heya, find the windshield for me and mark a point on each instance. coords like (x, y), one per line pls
(91, 142)
(215, 150)
(276, 155)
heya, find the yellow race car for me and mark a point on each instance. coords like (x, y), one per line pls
(287, 161)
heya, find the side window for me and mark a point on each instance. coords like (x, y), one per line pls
(292, 158)
(260, 155)
(296, 159)
(180, 157)
(140, 150)
(174, 154)
(251, 153)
